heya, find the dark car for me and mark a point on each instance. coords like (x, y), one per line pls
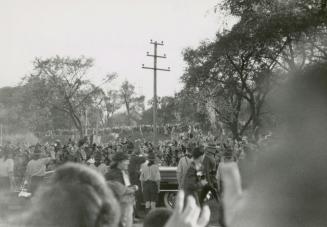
(168, 186)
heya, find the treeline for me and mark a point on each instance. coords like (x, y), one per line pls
(236, 73)
(58, 95)
(227, 81)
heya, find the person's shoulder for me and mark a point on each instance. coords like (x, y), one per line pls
(155, 166)
(141, 159)
(208, 158)
(181, 160)
(110, 174)
(10, 160)
(144, 164)
(113, 172)
(45, 159)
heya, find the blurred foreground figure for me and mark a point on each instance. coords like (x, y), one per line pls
(6, 179)
(77, 196)
(289, 186)
(36, 169)
(119, 173)
(157, 217)
(188, 214)
(229, 185)
(6, 171)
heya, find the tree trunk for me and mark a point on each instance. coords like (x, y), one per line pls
(233, 126)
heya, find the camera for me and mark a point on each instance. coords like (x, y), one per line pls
(200, 175)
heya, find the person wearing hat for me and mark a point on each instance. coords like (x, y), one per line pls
(150, 182)
(36, 168)
(195, 179)
(98, 165)
(118, 174)
(134, 172)
(209, 170)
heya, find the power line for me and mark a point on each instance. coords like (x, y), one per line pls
(155, 56)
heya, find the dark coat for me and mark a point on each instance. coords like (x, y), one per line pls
(192, 184)
(210, 169)
(134, 168)
(115, 174)
(126, 195)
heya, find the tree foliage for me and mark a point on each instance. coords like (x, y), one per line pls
(134, 104)
(61, 84)
(234, 73)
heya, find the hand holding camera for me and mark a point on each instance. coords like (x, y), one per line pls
(134, 187)
(202, 178)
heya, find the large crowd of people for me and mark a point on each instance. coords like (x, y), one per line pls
(288, 186)
(100, 156)
(130, 167)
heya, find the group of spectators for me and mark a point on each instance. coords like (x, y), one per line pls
(78, 196)
(168, 152)
(131, 169)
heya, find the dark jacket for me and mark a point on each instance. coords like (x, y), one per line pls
(192, 184)
(115, 177)
(210, 169)
(134, 168)
(115, 174)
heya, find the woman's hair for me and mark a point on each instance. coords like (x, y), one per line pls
(151, 158)
(197, 152)
(150, 163)
(76, 196)
(114, 165)
(97, 158)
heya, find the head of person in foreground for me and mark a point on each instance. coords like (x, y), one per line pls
(76, 196)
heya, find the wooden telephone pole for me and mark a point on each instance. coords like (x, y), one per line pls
(1, 135)
(155, 101)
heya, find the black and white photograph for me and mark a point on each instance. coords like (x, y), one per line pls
(163, 113)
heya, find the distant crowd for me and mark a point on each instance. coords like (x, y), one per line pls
(168, 152)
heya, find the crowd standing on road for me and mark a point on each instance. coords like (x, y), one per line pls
(131, 168)
(99, 156)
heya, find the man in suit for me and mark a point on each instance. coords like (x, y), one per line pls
(195, 180)
(209, 171)
(134, 172)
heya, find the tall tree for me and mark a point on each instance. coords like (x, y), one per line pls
(61, 83)
(235, 73)
(134, 104)
(113, 103)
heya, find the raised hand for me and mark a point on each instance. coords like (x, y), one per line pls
(189, 215)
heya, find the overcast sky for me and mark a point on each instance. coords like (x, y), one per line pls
(116, 33)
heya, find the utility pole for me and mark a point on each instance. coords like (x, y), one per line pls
(86, 119)
(155, 68)
(1, 140)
